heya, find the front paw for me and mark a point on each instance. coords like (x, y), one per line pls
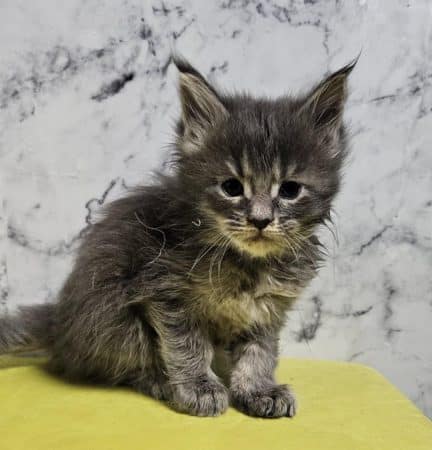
(271, 401)
(201, 398)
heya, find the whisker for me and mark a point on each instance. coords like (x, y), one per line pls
(203, 253)
(225, 247)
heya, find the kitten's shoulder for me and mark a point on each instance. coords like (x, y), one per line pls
(153, 203)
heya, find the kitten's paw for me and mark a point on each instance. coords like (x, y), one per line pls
(272, 401)
(201, 398)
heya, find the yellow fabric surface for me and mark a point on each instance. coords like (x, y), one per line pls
(342, 406)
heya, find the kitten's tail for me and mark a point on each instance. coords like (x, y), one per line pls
(28, 329)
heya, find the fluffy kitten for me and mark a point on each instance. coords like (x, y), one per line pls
(186, 283)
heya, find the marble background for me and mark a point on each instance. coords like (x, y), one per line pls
(87, 101)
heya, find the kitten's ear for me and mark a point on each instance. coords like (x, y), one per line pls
(326, 102)
(201, 106)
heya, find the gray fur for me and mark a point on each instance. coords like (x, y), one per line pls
(27, 329)
(180, 290)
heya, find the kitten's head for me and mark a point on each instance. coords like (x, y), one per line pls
(261, 173)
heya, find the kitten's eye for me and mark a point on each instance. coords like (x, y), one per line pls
(232, 187)
(289, 190)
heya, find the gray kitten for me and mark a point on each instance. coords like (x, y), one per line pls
(180, 291)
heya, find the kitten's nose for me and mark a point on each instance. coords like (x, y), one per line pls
(260, 211)
(260, 223)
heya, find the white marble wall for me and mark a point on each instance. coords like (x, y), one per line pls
(87, 101)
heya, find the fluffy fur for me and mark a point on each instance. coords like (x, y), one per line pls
(180, 291)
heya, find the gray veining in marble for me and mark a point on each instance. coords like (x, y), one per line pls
(87, 100)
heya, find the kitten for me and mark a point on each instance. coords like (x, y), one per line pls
(186, 283)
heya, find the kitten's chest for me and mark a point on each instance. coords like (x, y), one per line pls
(235, 302)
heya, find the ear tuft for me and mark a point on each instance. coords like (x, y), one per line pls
(183, 65)
(201, 105)
(326, 102)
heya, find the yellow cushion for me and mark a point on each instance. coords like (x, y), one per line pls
(342, 406)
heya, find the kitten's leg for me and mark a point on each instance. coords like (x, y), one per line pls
(150, 379)
(187, 355)
(222, 364)
(253, 388)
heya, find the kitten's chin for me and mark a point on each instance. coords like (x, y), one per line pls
(258, 247)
